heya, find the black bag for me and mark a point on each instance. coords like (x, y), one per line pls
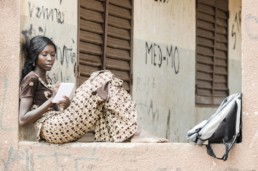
(224, 126)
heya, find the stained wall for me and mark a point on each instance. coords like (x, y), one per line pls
(58, 21)
(164, 65)
(26, 155)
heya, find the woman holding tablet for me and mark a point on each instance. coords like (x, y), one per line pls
(99, 104)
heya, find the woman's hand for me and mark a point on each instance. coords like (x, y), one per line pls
(54, 90)
(63, 104)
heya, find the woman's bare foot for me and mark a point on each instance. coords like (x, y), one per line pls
(142, 136)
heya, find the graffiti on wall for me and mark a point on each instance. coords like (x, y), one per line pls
(42, 12)
(162, 1)
(153, 112)
(157, 56)
(28, 159)
(9, 160)
(163, 58)
(60, 160)
(236, 27)
(66, 53)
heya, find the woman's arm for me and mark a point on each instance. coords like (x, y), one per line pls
(26, 116)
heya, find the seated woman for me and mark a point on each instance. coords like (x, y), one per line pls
(99, 104)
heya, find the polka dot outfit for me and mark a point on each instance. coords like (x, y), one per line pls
(113, 115)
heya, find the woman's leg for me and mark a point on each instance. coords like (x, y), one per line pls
(118, 121)
(100, 102)
(80, 117)
(119, 118)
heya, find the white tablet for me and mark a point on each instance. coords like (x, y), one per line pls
(65, 89)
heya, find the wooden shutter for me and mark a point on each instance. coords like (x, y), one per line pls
(211, 51)
(105, 38)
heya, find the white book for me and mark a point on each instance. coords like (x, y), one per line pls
(65, 89)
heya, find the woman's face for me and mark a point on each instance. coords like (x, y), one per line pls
(46, 58)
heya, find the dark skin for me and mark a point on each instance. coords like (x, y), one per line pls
(44, 63)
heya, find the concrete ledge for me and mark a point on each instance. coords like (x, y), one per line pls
(123, 156)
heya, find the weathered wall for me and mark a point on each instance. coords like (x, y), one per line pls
(9, 83)
(164, 66)
(57, 20)
(250, 78)
(129, 157)
(28, 156)
(234, 46)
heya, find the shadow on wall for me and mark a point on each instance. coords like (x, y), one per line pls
(27, 133)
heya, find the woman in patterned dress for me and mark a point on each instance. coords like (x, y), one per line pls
(99, 104)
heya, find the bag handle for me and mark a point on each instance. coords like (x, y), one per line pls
(228, 147)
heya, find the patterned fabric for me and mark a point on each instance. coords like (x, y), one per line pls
(33, 86)
(100, 103)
